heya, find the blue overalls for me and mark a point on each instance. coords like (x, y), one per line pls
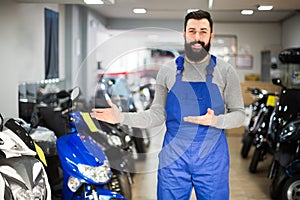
(193, 155)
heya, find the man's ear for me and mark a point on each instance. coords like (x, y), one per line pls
(212, 35)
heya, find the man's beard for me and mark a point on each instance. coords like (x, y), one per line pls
(198, 54)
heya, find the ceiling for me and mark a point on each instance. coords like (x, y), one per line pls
(221, 10)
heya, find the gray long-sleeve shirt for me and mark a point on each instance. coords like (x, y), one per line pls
(224, 76)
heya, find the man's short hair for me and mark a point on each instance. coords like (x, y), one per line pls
(199, 14)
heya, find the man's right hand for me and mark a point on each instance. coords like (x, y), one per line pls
(110, 115)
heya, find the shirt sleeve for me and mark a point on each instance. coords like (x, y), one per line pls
(234, 104)
(155, 115)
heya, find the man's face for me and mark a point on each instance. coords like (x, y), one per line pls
(197, 39)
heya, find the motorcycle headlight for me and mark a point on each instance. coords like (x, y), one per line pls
(74, 183)
(38, 192)
(290, 131)
(99, 174)
(127, 138)
(23, 189)
(114, 140)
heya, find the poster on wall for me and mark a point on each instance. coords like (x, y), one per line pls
(225, 47)
(244, 62)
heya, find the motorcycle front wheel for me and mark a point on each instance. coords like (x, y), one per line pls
(277, 183)
(120, 183)
(255, 159)
(291, 189)
(247, 143)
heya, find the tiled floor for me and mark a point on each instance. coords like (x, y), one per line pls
(243, 185)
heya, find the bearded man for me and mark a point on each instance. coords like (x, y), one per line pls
(196, 100)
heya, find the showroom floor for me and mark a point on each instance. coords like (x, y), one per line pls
(243, 185)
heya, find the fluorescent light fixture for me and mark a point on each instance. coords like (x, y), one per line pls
(93, 2)
(139, 10)
(210, 4)
(247, 12)
(264, 7)
(192, 10)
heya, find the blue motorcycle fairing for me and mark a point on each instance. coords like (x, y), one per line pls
(79, 148)
(105, 194)
(78, 123)
(108, 194)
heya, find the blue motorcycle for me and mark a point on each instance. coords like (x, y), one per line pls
(86, 169)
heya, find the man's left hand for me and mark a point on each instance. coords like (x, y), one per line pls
(208, 119)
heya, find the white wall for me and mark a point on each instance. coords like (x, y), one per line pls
(252, 38)
(291, 32)
(21, 49)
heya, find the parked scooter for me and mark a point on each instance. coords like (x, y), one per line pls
(285, 168)
(86, 168)
(260, 132)
(121, 162)
(285, 131)
(22, 175)
(253, 111)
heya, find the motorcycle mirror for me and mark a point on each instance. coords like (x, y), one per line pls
(75, 93)
(256, 91)
(1, 122)
(62, 94)
(277, 81)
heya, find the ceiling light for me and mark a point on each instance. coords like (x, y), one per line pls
(139, 10)
(247, 12)
(93, 2)
(265, 7)
(210, 4)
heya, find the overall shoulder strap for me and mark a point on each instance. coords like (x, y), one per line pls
(179, 62)
(211, 65)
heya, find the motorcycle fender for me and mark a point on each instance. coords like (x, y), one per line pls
(105, 194)
(293, 169)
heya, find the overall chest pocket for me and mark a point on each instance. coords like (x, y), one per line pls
(193, 106)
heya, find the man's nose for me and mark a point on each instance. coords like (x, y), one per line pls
(197, 36)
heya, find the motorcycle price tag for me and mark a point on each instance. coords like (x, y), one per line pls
(272, 99)
(89, 122)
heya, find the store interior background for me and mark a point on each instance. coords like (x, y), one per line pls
(83, 34)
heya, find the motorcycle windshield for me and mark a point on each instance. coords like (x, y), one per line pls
(79, 148)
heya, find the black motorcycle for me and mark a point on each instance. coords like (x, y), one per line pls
(253, 111)
(285, 167)
(259, 132)
(285, 131)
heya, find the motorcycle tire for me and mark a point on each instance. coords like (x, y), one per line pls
(291, 188)
(120, 183)
(255, 159)
(273, 169)
(139, 143)
(247, 143)
(277, 183)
